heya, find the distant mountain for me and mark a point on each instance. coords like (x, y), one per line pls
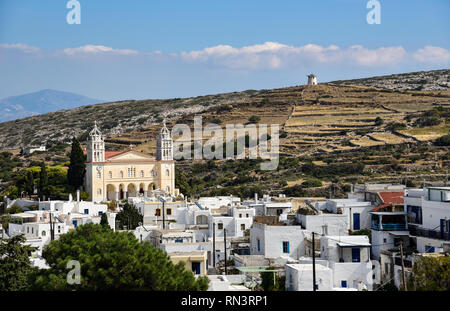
(18, 107)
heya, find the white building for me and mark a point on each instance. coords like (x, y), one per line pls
(356, 210)
(324, 223)
(312, 79)
(277, 240)
(429, 217)
(349, 258)
(30, 150)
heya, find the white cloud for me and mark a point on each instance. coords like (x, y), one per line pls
(96, 50)
(432, 54)
(273, 55)
(20, 47)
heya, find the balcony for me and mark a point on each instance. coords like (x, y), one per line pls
(389, 221)
(388, 227)
(428, 233)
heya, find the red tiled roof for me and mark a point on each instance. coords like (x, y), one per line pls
(392, 197)
(380, 207)
(110, 154)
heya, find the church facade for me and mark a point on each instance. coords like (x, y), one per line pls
(117, 175)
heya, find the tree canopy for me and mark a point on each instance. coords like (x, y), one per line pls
(15, 266)
(112, 261)
(129, 217)
(431, 274)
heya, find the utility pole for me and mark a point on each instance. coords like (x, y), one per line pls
(314, 262)
(225, 246)
(403, 268)
(163, 211)
(52, 228)
(214, 244)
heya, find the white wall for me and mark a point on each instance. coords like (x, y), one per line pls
(336, 224)
(272, 238)
(299, 277)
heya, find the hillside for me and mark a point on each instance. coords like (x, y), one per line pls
(17, 107)
(328, 117)
(434, 80)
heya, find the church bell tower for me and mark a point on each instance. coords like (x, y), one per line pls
(95, 146)
(164, 144)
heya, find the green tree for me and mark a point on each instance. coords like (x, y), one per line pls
(129, 217)
(271, 281)
(29, 183)
(431, 274)
(43, 182)
(15, 267)
(77, 166)
(378, 121)
(104, 220)
(112, 261)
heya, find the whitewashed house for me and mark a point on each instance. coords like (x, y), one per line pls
(428, 213)
(275, 240)
(349, 258)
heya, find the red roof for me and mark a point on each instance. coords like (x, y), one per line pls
(392, 197)
(380, 207)
(110, 154)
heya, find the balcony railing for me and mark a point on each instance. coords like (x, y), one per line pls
(389, 227)
(427, 233)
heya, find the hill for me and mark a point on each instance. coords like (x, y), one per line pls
(17, 107)
(333, 116)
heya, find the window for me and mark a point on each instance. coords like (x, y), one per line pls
(246, 215)
(100, 213)
(169, 211)
(158, 212)
(384, 240)
(32, 230)
(99, 191)
(142, 173)
(286, 247)
(99, 175)
(220, 225)
(28, 229)
(121, 174)
(243, 227)
(178, 240)
(168, 189)
(86, 211)
(325, 229)
(43, 233)
(259, 245)
(167, 172)
(240, 215)
(344, 283)
(110, 175)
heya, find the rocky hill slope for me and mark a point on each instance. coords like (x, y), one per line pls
(340, 115)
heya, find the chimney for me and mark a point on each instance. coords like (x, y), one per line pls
(78, 195)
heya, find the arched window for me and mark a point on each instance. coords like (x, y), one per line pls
(99, 175)
(168, 189)
(121, 174)
(43, 233)
(142, 173)
(167, 172)
(110, 174)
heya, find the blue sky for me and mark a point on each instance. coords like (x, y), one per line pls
(162, 49)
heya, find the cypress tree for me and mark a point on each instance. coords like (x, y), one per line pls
(29, 185)
(43, 181)
(104, 220)
(77, 166)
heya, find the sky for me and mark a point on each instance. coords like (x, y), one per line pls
(139, 49)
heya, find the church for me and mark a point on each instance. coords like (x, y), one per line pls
(117, 175)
